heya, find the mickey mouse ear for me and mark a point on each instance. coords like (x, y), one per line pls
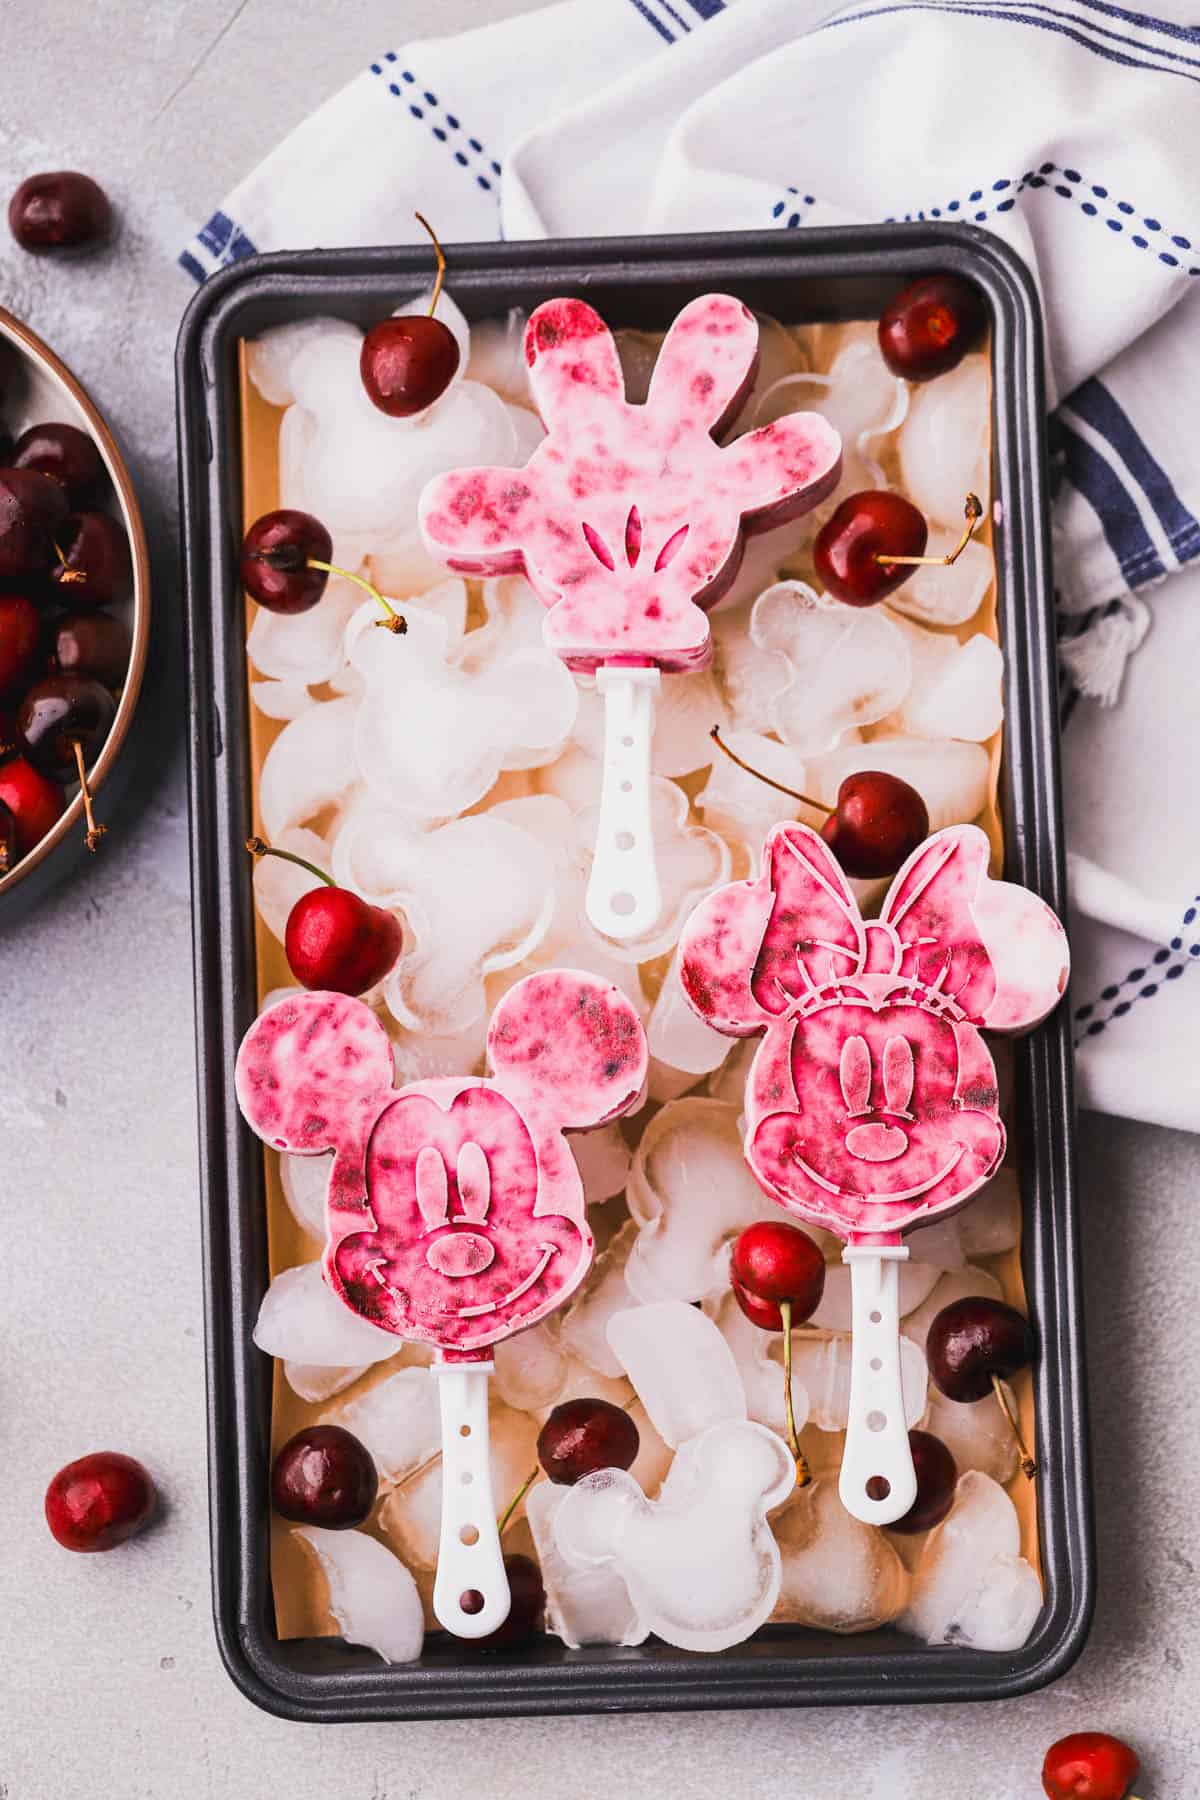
(570, 350)
(569, 1047)
(991, 946)
(312, 1074)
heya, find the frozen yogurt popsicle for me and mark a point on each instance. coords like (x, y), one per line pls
(455, 1213)
(629, 522)
(871, 1104)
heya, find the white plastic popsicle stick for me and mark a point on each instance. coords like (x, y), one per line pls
(623, 897)
(470, 1560)
(876, 1433)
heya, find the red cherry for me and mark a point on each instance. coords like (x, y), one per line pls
(929, 327)
(99, 1501)
(864, 528)
(527, 1604)
(20, 639)
(937, 1477)
(95, 565)
(32, 509)
(59, 211)
(408, 363)
(1089, 1765)
(877, 824)
(763, 1313)
(66, 454)
(777, 1262)
(584, 1435)
(8, 839)
(93, 643)
(324, 1475)
(334, 940)
(35, 802)
(278, 553)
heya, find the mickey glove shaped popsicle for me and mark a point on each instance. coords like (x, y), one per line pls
(455, 1212)
(871, 1104)
(629, 521)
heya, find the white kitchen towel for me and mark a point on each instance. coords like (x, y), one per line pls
(1070, 127)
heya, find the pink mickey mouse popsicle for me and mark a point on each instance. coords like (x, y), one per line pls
(629, 521)
(871, 1104)
(455, 1212)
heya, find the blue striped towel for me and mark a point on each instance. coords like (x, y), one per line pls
(1070, 127)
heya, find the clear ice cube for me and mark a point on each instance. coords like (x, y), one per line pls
(945, 443)
(399, 1421)
(583, 1606)
(847, 665)
(838, 1574)
(681, 1367)
(372, 1595)
(302, 1320)
(971, 1585)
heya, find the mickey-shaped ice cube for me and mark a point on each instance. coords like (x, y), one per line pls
(700, 1563)
(455, 1212)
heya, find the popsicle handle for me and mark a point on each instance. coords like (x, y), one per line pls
(623, 896)
(877, 1454)
(470, 1561)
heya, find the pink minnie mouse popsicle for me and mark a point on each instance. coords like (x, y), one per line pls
(455, 1213)
(629, 521)
(871, 1103)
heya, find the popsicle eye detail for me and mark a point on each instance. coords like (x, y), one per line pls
(855, 1075)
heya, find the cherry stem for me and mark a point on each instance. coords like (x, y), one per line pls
(394, 620)
(803, 1472)
(972, 513)
(68, 573)
(1028, 1466)
(259, 847)
(94, 832)
(510, 1509)
(793, 793)
(441, 262)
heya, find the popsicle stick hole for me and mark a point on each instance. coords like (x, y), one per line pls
(878, 1487)
(627, 787)
(876, 1420)
(470, 1601)
(876, 1318)
(464, 1431)
(625, 840)
(622, 905)
(876, 1364)
(468, 1534)
(466, 1478)
(627, 743)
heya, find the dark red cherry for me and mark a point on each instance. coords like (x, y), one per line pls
(862, 529)
(584, 1435)
(277, 556)
(408, 363)
(1089, 1765)
(972, 1340)
(937, 1476)
(99, 1501)
(779, 1264)
(95, 565)
(20, 639)
(59, 712)
(334, 940)
(878, 822)
(33, 508)
(527, 1604)
(324, 1476)
(34, 800)
(59, 211)
(929, 327)
(93, 643)
(67, 454)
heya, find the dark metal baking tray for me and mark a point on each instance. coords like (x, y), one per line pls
(802, 275)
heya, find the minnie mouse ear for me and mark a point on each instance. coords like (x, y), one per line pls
(991, 946)
(313, 1074)
(569, 1048)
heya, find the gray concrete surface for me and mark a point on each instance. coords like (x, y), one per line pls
(109, 1677)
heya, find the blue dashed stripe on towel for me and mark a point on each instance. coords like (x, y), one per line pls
(1080, 35)
(1168, 963)
(425, 107)
(1099, 407)
(218, 243)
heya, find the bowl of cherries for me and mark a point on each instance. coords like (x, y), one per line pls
(74, 617)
